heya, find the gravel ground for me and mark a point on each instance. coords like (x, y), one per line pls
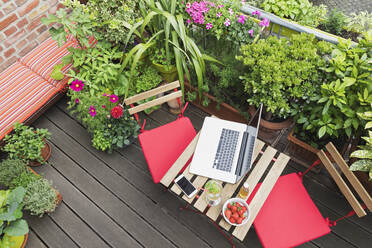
(347, 6)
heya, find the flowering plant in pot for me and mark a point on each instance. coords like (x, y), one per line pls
(28, 144)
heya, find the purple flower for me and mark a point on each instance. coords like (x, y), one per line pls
(256, 12)
(227, 22)
(219, 14)
(251, 32)
(188, 21)
(231, 11)
(92, 111)
(77, 85)
(114, 98)
(77, 100)
(103, 106)
(209, 26)
(188, 5)
(264, 23)
(242, 19)
(104, 94)
(220, 6)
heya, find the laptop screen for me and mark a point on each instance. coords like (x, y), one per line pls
(253, 122)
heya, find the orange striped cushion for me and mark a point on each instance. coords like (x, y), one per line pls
(22, 92)
(43, 58)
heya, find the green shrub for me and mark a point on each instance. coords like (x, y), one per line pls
(40, 197)
(148, 79)
(11, 169)
(26, 143)
(281, 71)
(24, 179)
(359, 22)
(335, 22)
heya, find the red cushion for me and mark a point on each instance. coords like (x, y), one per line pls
(289, 217)
(163, 145)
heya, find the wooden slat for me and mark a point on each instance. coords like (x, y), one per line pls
(152, 92)
(262, 194)
(229, 189)
(350, 175)
(155, 102)
(180, 162)
(255, 175)
(341, 184)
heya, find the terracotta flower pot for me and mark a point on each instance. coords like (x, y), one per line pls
(46, 151)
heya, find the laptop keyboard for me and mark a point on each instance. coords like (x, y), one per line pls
(226, 150)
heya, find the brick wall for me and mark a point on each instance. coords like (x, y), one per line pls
(20, 27)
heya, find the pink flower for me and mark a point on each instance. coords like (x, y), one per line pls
(104, 94)
(188, 21)
(92, 111)
(77, 100)
(251, 32)
(242, 19)
(264, 23)
(220, 6)
(114, 98)
(231, 11)
(209, 26)
(188, 5)
(103, 106)
(257, 12)
(227, 22)
(117, 112)
(219, 14)
(77, 85)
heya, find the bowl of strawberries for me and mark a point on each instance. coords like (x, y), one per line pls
(235, 211)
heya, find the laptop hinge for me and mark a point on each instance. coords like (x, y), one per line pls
(243, 146)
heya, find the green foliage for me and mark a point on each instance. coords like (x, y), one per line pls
(97, 67)
(359, 22)
(114, 18)
(100, 142)
(335, 109)
(11, 169)
(301, 11)
(148, 79)
(40, 197)
(279, 71)
(158, 56)
(365, 156)
(24, 179)
(11, 222)
(26, 143)
(335, 22)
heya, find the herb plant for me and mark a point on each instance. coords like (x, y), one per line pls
(281, 71)
(11, 222)
(335, 22)
(26, 143)
(359, 23)
(11, 169)
(365, 156)
(148, 79)
(40, 197)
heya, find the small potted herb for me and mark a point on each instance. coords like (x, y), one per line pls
(28, 144)
(13, 229)
(165, 66)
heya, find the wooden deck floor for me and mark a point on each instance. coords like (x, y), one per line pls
(109, 200)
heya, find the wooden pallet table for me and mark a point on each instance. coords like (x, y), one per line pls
(265, 157)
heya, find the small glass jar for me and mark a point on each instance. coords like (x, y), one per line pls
(244, 191)
(213, 192)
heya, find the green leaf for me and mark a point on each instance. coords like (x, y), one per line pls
(17, 228)
(322, 131)
(57, 73)
(349, 81)
(361, 165)
(364, 154)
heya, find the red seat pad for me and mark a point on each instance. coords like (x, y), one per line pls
(163, 145)
(288, 217)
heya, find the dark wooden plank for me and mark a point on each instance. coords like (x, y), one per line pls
(107, 227)
(34, 241)
(141, 178)
(144, 206)
(51, 234)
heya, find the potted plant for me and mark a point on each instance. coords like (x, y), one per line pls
(333, 112)
(280, 72)
(165, 67)
(28, 144)
(13, 229)
(40, 197)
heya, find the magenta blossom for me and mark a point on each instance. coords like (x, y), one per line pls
(242, 18)
(188, 21)
(264, 23)
(77, 85)
(220, 6)
(219, 14)
(77, 100)
(231, 11)
(104, 94)
(209, 25)
(257, 13)
(188, 5)
(103, 106)
(251, 32)
(114, 98)
(227, 22)
(92, 111)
